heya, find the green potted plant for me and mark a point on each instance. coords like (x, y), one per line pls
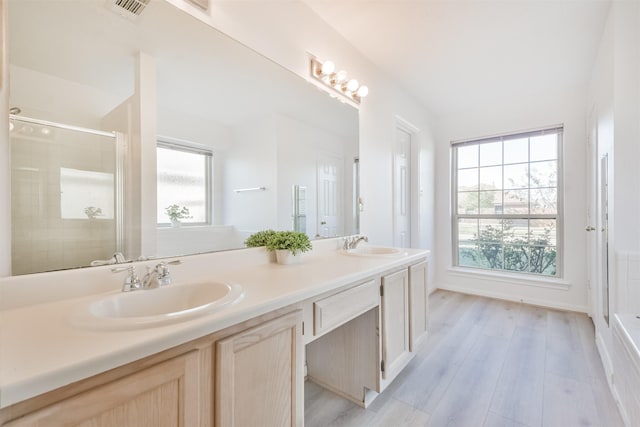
(176, 213)
(92, 212)
(259, 238)
(288, 246)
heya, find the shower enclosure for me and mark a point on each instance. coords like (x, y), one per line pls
(66, 195)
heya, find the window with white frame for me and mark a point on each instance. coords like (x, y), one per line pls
(184, 179)
(507, 212)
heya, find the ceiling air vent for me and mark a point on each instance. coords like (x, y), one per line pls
(128, 8)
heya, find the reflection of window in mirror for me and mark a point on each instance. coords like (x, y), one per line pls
(184, 179)
(86, 194)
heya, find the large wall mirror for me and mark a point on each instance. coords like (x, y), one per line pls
(116, 117)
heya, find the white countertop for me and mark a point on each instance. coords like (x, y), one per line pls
(40, 350)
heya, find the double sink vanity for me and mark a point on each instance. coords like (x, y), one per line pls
(229, 342)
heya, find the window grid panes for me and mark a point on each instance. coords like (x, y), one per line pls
(184, 176)
(505, 204)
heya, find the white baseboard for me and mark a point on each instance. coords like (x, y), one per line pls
(515, 298)
(607, 363)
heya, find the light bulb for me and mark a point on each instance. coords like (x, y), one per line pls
(352, 85)
(363, 91)
(341, 76)
(328, 67)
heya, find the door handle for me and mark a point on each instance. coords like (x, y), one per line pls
(590, 228)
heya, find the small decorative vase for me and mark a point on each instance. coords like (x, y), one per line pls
(175, 223)
(285, 256)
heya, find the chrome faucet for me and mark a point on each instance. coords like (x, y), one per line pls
(154, 278)
(352, 242)
(132, 281)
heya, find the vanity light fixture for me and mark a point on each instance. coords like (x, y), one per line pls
(338, 81)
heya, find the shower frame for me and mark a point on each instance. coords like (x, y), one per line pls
(120, 147)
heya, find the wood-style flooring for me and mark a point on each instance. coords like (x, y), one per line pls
(487, 363)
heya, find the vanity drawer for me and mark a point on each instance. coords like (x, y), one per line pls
(339, 308)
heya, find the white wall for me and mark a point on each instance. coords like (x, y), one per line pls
(548, 109)
(626, 149)
(251, 163)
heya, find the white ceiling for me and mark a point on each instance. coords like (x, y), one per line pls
(463, 55)
(200, 71)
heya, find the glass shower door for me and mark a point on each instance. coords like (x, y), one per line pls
(63, 195)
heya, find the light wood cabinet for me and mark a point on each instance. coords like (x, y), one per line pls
(259, 378)
(394, 309)
(333, 311)
(248, 374)
(418, 304)
(362, 356)
(165, 395)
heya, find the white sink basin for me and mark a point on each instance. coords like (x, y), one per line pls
(382, 251)
(155, 307)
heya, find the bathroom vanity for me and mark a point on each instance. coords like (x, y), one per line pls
(349, 322)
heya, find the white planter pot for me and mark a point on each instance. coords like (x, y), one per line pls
(176, 223)
(284, 256)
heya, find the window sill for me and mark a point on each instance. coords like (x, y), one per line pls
(514, 279)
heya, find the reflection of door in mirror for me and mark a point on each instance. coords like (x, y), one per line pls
(299, 208)
(357, 204)
(64, 201)
(329, 174)
(402, 189)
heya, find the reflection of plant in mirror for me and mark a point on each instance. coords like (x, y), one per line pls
(92, 212)
(176, 213)
(260, 238)
(293, 241)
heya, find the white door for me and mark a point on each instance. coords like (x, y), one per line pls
(329, 173)
(597, 227)
(402, 189)
(592, 215)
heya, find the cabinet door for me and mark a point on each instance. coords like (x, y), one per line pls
(259, 375)
(165, 395)
(395, 323)
(419, 304)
